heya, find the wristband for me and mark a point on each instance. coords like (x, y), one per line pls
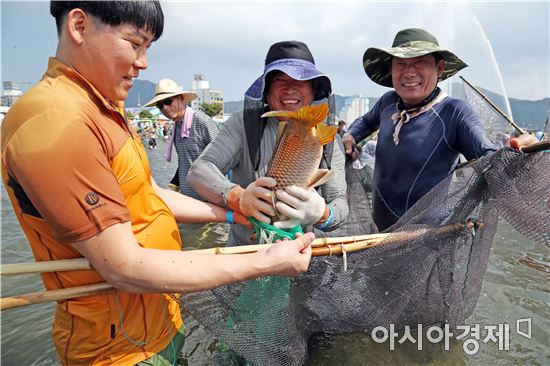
(328, 220)
(229, 217)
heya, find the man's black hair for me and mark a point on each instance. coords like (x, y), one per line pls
(143, 14)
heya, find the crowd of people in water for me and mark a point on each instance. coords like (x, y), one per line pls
(100, 201)
(151, 132)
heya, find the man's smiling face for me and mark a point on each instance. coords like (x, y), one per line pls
(415, 78)
(286, 93)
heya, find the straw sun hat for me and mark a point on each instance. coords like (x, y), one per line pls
(167, 88)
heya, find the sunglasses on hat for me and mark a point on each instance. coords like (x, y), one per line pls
(162, 103)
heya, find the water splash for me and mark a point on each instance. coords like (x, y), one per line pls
(489, 48)
(459, 31)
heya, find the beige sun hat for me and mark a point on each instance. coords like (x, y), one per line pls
(167, 88)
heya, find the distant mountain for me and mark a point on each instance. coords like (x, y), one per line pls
(232, 107)
(143, 90)
(530, 114)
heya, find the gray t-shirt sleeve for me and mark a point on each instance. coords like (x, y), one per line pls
(207, 173)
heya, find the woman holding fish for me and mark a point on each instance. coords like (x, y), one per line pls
(278, 157)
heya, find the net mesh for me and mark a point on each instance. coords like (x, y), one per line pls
(408, 279)
(497, 128)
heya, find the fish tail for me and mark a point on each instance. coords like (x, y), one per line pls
(326, 133)
(320, 177)
(313, 115)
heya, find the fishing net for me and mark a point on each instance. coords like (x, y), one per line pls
(428, 271)
(497, 128)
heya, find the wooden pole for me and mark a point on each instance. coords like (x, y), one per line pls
(519, 129)
(82, 263)
(319, 242)
(321, 246)
(53, 295)
(46, 266)
(536, 147)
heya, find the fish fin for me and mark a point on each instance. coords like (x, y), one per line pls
(326, 133)
(313, 115)
(280, 131)
(320, 177)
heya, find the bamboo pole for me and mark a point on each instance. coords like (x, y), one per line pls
(321, 247)
(319, 242)
(536, 147)
(388, 239)
(519, 129)
(53, 295)
(46, 266)
(82, 263)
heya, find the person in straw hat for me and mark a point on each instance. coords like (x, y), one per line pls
(193, 130)
(80, 184)
(246, 143)
(422, 131)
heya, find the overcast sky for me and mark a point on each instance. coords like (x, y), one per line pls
(227, 40)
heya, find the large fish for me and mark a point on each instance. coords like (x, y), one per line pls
(299, 149)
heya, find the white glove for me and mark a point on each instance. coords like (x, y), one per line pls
(299, 206)
(256, 199)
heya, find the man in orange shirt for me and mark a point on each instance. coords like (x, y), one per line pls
(79, 181)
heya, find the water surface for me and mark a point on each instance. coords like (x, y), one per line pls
(516, 286)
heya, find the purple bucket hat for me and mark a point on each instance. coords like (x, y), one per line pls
(294, 59)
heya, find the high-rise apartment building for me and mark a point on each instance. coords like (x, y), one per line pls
(354, 107)
(201, 86)
(10, 93)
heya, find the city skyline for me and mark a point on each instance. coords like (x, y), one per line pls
(227, 42)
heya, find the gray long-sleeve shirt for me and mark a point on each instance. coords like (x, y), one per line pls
(230, 151)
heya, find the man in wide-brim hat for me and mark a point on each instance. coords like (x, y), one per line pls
(193, 130)
(81, 186)
(409, 44)
(246, 143)
(165, 92)
(422, 131)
